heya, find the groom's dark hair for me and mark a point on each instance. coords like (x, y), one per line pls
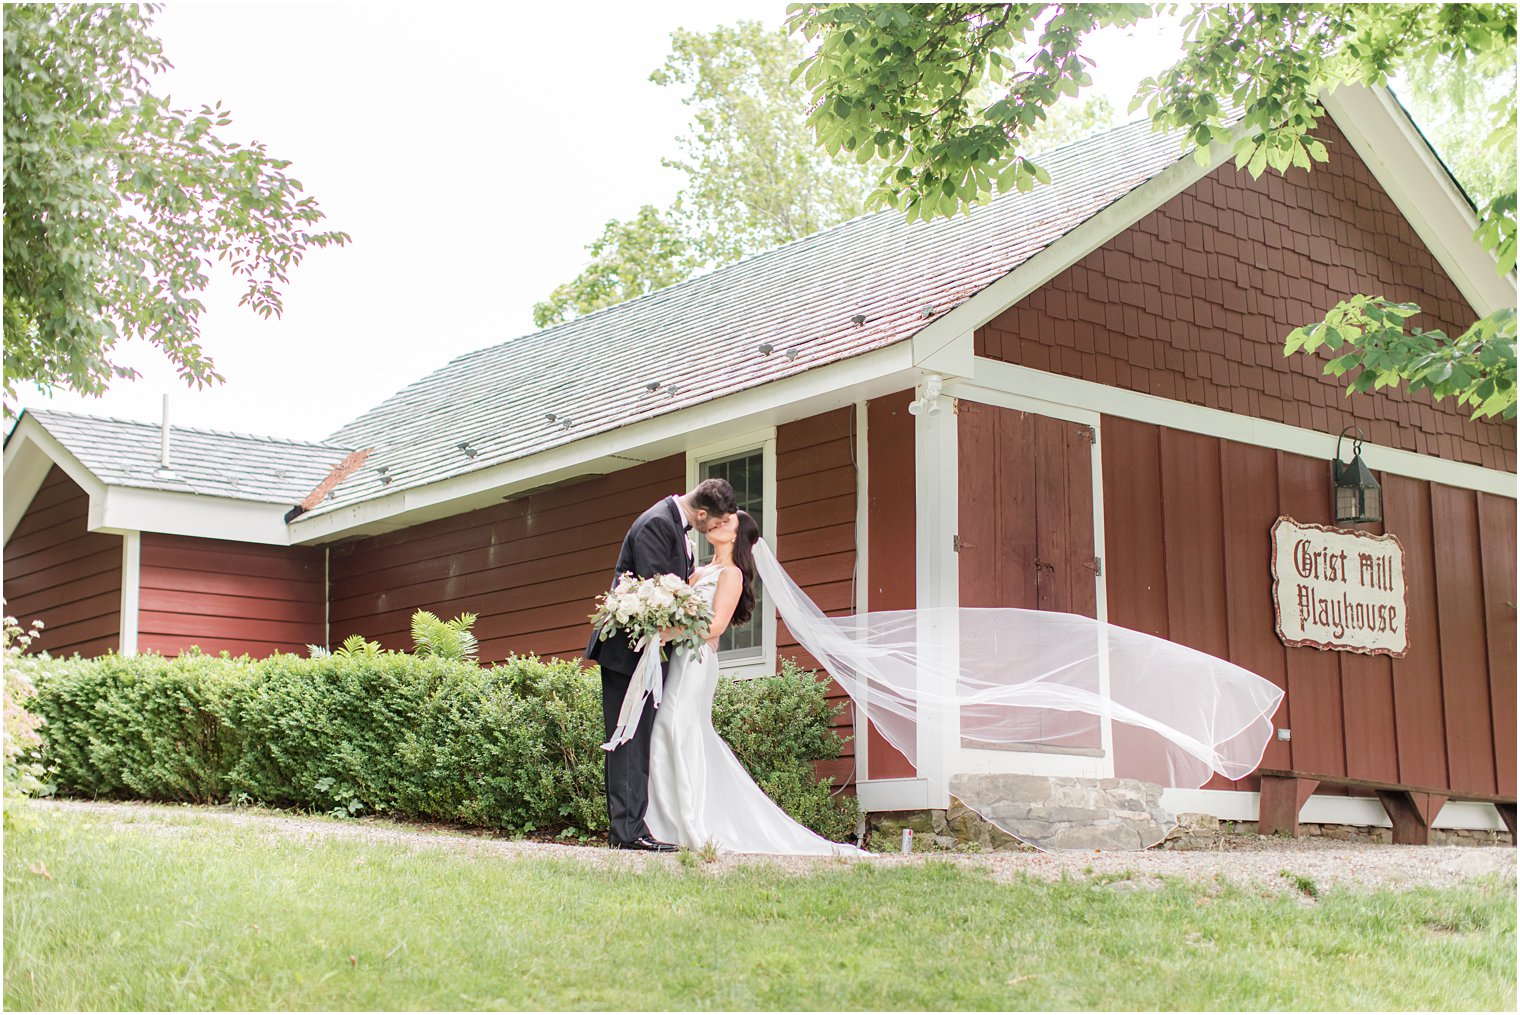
(714, 496)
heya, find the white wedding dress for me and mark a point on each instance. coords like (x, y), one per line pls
(698, 790)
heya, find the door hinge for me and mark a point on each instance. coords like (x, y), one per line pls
(1095, 566)
(955, 543)
(1090, 433)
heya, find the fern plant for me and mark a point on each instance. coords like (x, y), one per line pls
(444, 639)
(356, 647)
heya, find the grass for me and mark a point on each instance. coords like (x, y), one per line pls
(191, 913)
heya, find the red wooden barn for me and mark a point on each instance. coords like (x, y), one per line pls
(1117, 431)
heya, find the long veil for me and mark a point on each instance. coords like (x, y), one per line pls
(1139, 707)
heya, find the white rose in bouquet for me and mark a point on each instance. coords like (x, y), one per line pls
(671, 582)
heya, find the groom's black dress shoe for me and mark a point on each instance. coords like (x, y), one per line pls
(647, 844)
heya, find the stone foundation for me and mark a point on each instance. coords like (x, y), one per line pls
(964, 829)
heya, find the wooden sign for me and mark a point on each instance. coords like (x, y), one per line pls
(1339, 589)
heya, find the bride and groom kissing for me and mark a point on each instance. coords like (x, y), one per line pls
(675, 783)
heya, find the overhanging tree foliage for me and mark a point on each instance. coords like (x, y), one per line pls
(754, 178)
(117, 204)
(896, 84)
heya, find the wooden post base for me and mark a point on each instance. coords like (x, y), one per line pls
(1282, 797)
(1412, 814)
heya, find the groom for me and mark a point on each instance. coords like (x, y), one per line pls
(659, 542)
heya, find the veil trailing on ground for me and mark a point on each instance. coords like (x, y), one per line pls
(1135, 706)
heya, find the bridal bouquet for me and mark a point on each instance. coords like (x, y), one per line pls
(641, 609)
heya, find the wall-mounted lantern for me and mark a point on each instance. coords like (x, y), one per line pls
(1358, 498)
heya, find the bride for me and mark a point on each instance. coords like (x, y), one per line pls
(1013, 677)
(699, 793)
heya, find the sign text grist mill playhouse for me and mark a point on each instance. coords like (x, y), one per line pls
(1339, 589)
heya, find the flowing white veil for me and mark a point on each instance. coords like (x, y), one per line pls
(1171, 715)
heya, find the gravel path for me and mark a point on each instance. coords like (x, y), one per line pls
(1242, 859)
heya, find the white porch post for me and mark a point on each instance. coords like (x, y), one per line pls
(937, 485)
(131, 589)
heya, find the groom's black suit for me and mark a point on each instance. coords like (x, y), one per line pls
(655, 544)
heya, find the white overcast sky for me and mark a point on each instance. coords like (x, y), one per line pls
(472, 151)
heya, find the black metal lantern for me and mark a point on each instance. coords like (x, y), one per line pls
(1358, 498)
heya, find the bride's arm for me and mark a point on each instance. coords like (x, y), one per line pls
(730, 584)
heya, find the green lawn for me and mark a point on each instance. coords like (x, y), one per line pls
(219, 917)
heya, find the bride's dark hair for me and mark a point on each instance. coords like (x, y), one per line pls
(744, 559)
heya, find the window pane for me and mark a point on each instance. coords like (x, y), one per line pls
(745, 472)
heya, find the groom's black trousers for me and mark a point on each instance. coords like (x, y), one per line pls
(628, 765)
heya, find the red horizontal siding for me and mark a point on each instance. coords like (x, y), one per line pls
(59, 572)
(1193, 303)
(1192, 512)
(816, 481)
(530, 568)
(227, 596)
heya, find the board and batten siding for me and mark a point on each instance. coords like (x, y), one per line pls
(1188, 519)
(529, 568)
(1194, 301)
(59, 572)
(224, 595)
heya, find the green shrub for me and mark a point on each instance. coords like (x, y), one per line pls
(513, 746)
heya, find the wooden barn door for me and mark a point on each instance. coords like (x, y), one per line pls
(1025, 540)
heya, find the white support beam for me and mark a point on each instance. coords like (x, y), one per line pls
(937, 495)
(131, 590)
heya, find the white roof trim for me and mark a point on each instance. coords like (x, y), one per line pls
(820, 389)
(1402, 161)
(31, 452)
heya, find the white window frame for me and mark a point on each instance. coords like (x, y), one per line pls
(762, 663)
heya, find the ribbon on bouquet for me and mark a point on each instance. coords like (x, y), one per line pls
(647, 681)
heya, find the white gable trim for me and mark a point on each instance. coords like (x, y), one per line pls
(31, 452)
(1424, 191)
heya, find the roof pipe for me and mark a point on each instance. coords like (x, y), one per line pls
(163, 444)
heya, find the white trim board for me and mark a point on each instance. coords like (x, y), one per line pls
(821, 389)
(1057, 390)
(131, 591)
(1241, 805)
(859, 731)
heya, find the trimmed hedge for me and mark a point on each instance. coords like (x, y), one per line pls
(511, 747)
